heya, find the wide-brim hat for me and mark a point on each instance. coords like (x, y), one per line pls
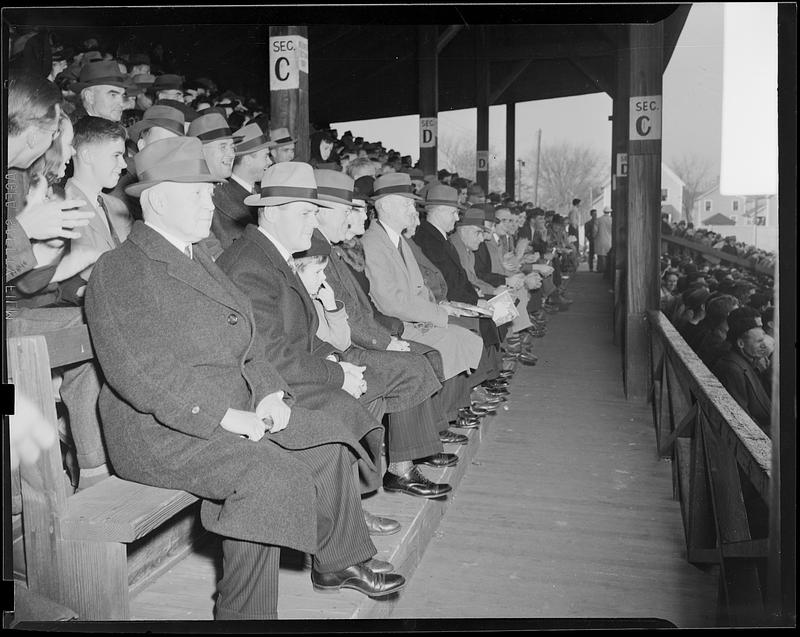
(158, 115)
(287, 182)
(280, 137)
(334, 186)
(99, 73)
(607, 209)
(472, 217)
(211, 127)
(393, 184)
(145, 80)
(442, 195)
(168, 82)
(250, 139)
(177, 159)
(189, 114)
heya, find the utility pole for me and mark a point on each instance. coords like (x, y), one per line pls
(538, 157)
(520, 164)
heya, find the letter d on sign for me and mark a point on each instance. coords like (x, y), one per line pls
(483, 161)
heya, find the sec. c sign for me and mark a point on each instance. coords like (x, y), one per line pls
(645, 118)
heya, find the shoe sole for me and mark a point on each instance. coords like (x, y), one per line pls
(382, 533)
(338, 589)
(416, 495)
(437, 466)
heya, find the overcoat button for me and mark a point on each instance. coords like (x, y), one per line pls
(233, 319)
(195, 409)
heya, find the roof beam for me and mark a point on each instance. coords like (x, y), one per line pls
(598, 81)
(517, 70)
(449, 34)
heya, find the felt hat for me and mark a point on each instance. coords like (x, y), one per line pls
(280, 137)
(363, 186)
(210, 128)
(393, 184)
(742, 320)
(100, 73)
(167, 82)
(145, 80)
(472, 217)
(158, 115)
(607, 209)
(320, 246)
(139, 58)
(178, 159)
(442, 195)
(489, 213)
(334, 186)
(189, 113)
(249, 139)
(132, 89)
(286, 182)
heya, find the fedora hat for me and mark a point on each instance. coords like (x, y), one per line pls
(145, 80)
(158, 115)
(442, 195)
(489, 212)
(168, 82)
(210, 128)
(287, 182)
(139, 58)
(334, 186)
(249, 139)
(99, 73)
(189, 114)
(472, 217)
(280, 137)
(393, 184)
(178, 159)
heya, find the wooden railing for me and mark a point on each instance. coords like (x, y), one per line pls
(683, 246)
(721, 472)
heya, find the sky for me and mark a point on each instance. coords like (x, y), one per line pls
(692, 103)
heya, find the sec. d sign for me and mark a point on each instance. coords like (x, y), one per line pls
(288, 57)
(483, 161)
(427, 132)
(645, 118)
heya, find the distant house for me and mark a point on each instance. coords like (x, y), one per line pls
(742, 210)
(671, 194)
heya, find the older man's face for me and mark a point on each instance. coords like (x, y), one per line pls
(188, 210)
(752, 342)
(472, 236)
(105, 101)
(444, 217)
(219, 157)
(333, 222)
(283, 153)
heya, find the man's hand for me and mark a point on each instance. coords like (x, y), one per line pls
(50, 219)
(244, 423)
(451, 311)
(354, 383)
(397, 345)
(515, 281)
(28, 432)
(273, 409)
(533, 281)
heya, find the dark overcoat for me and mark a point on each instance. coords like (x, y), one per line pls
(741, 380)
(231, 215)
(177, 344)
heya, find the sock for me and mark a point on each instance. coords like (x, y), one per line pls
(400, 468)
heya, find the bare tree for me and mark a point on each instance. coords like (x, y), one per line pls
(566, 171)
(457, 154)
(697, 175)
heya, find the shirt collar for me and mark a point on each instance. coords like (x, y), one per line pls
(394, 237)
(242, 182)
(442, 232)
(181, 244)
(91, 192)
(287, 256)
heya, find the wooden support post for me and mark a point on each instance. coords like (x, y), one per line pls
(644, 199)
(619, 181)
(482, 94)
(288, 83)
(428, 88)
(511, 150)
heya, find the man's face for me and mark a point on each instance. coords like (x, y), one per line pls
(171, 94)
(106, 102)
(356, 219)
(538, 222)
(106, 159)
(293, 224)
(752, 342)
(219, 157)
(505, 223)
(188, 210)
(444, 217)
(413, 224)
(671, 282)
(143, 101)
(58, 66)
(283, 153)
(333, 222)
(472, 236)
(258, 162)
(153, 134)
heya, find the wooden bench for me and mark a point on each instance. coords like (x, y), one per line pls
(90, 550)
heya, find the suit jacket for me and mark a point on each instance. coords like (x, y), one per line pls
(444, 256)
(742, 381)
(178, 346)
(434, 280)
(468, 262)
(231, 215)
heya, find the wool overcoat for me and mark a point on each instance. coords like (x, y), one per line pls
(231, 215)
(741, 380)
(177, 345)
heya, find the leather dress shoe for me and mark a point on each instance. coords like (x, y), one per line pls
(439, 460)
(452, 437)
(528, 359)
(358, 577)
(488, 407)
(379, 566)
(506, 373)
(496, 383)
(380, 526)
(498, 392)
(414, 483)
(473, 411)
(464, 422)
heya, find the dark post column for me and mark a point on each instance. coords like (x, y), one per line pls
(428, 64)
(482, 94)
(288, 84)
(619, 182)
(644, 199)
(511, 151)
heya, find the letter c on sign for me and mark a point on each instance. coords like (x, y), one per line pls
(283, 78)
(641, 122)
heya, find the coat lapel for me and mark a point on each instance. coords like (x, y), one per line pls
(101, 234)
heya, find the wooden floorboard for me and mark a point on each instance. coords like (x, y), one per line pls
(563, 510)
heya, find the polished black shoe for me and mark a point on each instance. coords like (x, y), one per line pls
(380, 526)
(489, 408)
(498, 383)
(506, 373)
(439, 460)
(379, 566)
(359, 577)
(463, 422)
(473, 411)
(414, 483)
(528, 359)
(501, 392)
(452, 437)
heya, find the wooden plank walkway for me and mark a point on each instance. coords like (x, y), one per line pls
(562, 510)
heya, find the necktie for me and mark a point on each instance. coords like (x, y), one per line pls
(400, 249)
(188, 251)
(102, 205)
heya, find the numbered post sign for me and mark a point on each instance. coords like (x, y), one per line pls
(483, 161)
(645, 118)
(622, 165)
(428, 130)
(288, 57)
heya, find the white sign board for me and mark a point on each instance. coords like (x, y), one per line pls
(288, 57)
(483, 161)
(428, 128)
(622, 165)
(645, 118)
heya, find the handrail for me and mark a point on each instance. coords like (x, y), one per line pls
(719, 254)
(751, 447)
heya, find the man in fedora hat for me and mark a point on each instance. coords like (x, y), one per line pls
(158, 122)
(282, 145)
(251, 159)
(168, 87)
(101, 87)
(212, 129)
(194, 404)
